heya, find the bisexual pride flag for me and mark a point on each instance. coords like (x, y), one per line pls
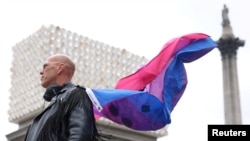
(145, 99)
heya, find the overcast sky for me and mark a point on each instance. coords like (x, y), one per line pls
(142, 27)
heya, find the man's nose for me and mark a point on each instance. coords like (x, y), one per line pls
(41, 72)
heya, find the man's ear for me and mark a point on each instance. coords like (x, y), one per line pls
(60, 68)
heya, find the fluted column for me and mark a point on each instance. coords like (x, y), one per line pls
(228, 46)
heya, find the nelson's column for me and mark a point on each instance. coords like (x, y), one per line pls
(228, 45)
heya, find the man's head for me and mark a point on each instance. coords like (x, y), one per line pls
(57, 69)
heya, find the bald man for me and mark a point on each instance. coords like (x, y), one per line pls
(69, 117)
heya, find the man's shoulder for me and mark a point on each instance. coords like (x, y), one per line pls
(73, 89)
(71, 85)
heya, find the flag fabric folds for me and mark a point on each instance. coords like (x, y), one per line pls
(145, 99)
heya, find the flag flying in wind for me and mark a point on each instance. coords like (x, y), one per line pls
(145, 99)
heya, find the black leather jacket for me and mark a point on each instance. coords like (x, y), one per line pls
(69, 117)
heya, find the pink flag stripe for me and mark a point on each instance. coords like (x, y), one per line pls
(139, 79)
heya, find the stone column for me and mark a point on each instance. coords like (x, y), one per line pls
(228, 46)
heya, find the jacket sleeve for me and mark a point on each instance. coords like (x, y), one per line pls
(81, 122)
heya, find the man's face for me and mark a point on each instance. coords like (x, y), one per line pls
(49, 73)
